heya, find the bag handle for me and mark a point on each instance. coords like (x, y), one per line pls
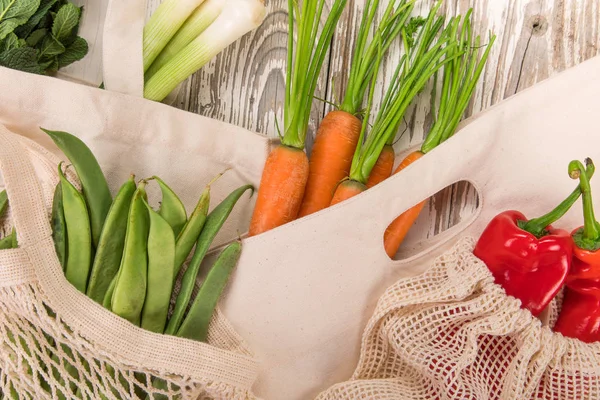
(23, 190)
(122, 47)
(425, 177)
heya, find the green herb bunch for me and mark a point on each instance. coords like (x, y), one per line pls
(40, 36)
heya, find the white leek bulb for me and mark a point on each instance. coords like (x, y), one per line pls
(237, 18)
(163, 24)
(200, 19)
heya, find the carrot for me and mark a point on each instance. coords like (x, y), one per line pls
(383, 167)
(281, 189)
(285, 173)
(460, 78)
(347, 189)
(330, 159)
(339, 132)
(397, 230)
(425, 55)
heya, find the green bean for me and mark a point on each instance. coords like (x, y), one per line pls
(59, 229)
(195, 325)
(112, 240)
(130, 288)
(214, 222)
(107, 301)
(78, 234)
(3, 202)
(192, 228)
(95, 189)
(161, 264)
(189, 234)
(171, 208)
(9, 242)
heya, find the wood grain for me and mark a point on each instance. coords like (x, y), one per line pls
(244, 85)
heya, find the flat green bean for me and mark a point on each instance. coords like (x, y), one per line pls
(214, 222)
(195, 324)
(130, 288)
(9, 242)
(95, 188)
(161, 265)
(171, 208)
(59, 228)
(3, 202)
(79, 235)
(107, 301)
(112, 240)
(192, 228)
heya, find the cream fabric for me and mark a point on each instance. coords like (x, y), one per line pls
(451, 333)
(304, 292)
(40, 310)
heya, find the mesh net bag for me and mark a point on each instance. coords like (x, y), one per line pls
(452, 333)
(55, 343)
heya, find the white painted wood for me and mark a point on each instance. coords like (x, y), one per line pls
(244, 85)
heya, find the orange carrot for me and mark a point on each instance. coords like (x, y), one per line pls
(383, 167)
(341, 131)
(330, 159)
(396, 232)
(346, 189)
(281, 189)
(285, 174)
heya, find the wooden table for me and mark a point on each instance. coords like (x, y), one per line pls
(537, 39)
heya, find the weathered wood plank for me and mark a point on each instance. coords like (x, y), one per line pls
(536, 39)
(245, 84)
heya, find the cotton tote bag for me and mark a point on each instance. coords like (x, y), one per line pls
(304, 292)
(55, 338)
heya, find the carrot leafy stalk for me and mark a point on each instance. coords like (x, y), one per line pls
(286, 170)
(338, 133)
(431, 50)
(461, 75)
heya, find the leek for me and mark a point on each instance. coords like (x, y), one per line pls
(163, 24)
(237, 18)
(201, 18)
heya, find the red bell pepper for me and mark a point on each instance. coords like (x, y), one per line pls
(580, 314)
(529, 258)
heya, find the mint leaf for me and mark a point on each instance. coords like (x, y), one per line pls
(50, 65)
(51, 47)
(22, 58)
(74, 52)
(35, 37)
(25, 30)
(10, 42)
(70, 39)
(66, 19)
(14, 13)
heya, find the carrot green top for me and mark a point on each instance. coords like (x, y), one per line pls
(460, 78)
(304, 63)
(424, 57)
(367, 56)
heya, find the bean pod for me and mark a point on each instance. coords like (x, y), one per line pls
(79, 238)
(171, 208)
(112, 240)
(95, 188)
(59, 227)
(161, 265)
(195, 325)
(214, 222)
(130, 288)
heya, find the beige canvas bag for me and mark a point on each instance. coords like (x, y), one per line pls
(40, 313)
(304, 293)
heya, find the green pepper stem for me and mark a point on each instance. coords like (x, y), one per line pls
(537, 226)
(590, 225)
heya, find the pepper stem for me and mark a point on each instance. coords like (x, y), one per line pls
(537, 226)
(590, 225)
